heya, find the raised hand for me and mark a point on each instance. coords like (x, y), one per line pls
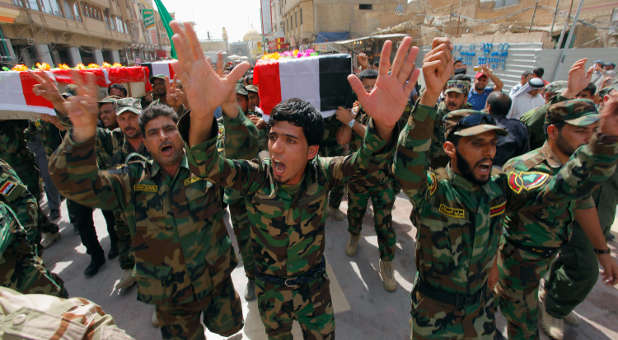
(437, 69)
(47, 89)
(579, 78)
(608, 124)
(230, 106)
(82, 108)
(205, 89)
(386, 102)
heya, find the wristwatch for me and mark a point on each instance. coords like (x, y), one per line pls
(351, 123)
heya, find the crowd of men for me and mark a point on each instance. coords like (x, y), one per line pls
(513, 194)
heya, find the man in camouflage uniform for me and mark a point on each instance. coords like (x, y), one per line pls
(286, 196)
(20, 268)
(14, 150)
(15, 194)
(535, 118)
(455, 98)
(42, 317)
(575, 271)
(460, 212)
(183, 256)
(381, 191)
(535, 232)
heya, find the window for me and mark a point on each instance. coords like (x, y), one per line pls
(301, 16)
(295, 19)
(68, 12)
(32, 4)
(76, 12)
(92, 12)
(365, 6)
(51, 7)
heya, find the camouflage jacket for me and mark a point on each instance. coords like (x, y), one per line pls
(459, 223)
(46, 316)
(329, 146)
(15, 194)
(14, 148)
(549, 224)
(287, 221)
(241, 141)
(181, 247)
(535, 122)
(12, 237)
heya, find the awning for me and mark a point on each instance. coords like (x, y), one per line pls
(331, 36)
(377, 36)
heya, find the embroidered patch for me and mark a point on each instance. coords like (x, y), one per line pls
(192, 180)
(7, 188)
(145, 187)
(452, 212)
(497, 209)
(528, 180)
(433, 186)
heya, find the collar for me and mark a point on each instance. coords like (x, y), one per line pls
(156, 168)
(462, 183)
(549, 156)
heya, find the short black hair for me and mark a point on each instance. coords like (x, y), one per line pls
(526, 73)
(368, 74)
(499, 103)
(539, 72)
(153, 111)
(458, 61)
(591, 88)
(119, 87)
(300, 113)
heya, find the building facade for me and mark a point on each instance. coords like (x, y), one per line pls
(73, 32)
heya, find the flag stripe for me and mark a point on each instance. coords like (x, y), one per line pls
(301, 79)
(266, 76)
(334, 87)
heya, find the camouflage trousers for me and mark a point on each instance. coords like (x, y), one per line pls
(518, 287)
(242, 230)
(25, 272)
(382, 199)
(572, 275)
(221, 310)
(123, 235)
(432, 319)
(310, 304)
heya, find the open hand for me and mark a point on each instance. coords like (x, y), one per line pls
(47, 89)
(82, 108)
(579, 78)
(610, 269)
(608, 123)
(387, 100)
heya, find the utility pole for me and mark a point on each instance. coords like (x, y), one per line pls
(536, 5)
(553, 21)
(569, 39)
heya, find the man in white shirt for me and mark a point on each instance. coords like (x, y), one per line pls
(527, 98)
(525, 76)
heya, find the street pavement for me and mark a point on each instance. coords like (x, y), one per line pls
(363, 309)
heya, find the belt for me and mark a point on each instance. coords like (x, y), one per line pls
(545, 252)
(456, 299)
(317, 271)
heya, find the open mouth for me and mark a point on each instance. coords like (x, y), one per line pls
(278, 168)
(166, 149)
(485, 167)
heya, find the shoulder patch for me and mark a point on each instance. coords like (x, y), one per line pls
(528, 180)
(497, 209)
(192, 180)
(7, 188)
(433, 184)
(452, 212)
(146, 187)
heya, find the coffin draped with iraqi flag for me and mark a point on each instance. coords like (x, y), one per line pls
(320, 80)
(18, 101)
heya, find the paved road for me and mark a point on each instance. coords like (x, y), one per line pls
(363, 310)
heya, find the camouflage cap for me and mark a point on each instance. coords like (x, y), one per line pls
(108, 99)
(252, 88)
(157, 76)
(459, 86)
(578, 112)
(69, 91)
(241, 90)
(468, 122)
(555, 87)
(128, 104)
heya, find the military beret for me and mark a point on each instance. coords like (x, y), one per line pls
(467, 122)
(578, 112)
(240, 89)
(108, 99)
(608, 89)
(128, 104)
(459, 86)
(556, 86)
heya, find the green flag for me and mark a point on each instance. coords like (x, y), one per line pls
(166, 18)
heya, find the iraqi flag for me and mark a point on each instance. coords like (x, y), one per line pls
(320, 80)
(17, 97)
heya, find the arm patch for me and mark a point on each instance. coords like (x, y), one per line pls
(526, 180)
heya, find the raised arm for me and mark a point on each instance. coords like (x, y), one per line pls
(412, 155)
(73, 167)
(486, 70)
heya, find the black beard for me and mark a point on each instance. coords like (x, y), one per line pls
(466, 170)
